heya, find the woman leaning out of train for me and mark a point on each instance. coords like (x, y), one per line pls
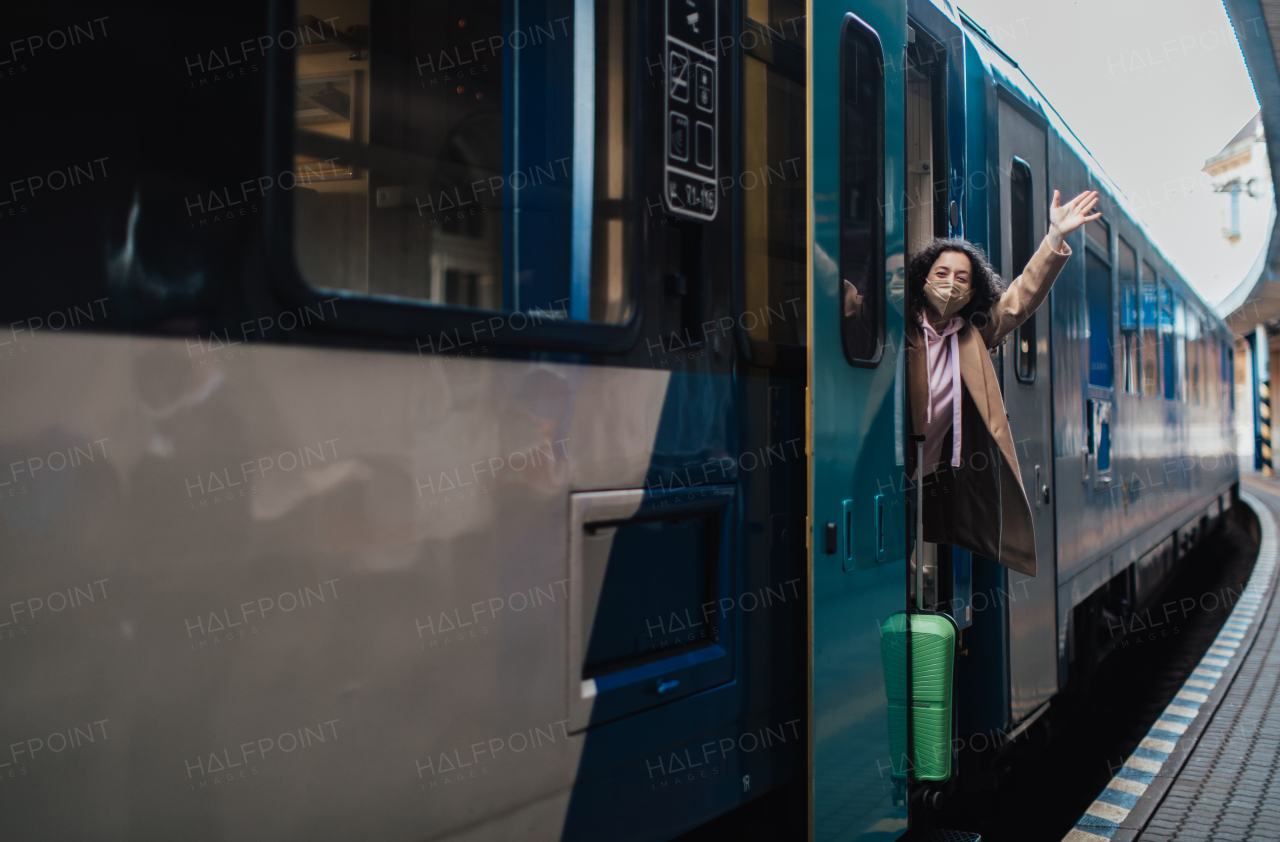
(957, 309)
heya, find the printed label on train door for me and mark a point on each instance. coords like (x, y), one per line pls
(692, 114)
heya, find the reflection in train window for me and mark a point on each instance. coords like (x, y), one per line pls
(1168, 356)
(1193, 356)
(1097, 280)
(1209, 363)
(1022, 240)
(656, 569)
(1150, 333)
(774, 175)
(1099, 233)
(862, 263)
(1129, 358)
(1180, 345)
(447, 157)
(1209, 356)
(1228, 375)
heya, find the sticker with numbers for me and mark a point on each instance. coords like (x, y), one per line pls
(692, 123)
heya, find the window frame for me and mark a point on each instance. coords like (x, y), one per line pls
(763, 352)
(404, 318)
(1091, 248)
(1147, 274)
(852, 25)
(1122, 247)
(1181, 314)
(1108, 228)
(1169, 380)
(1229, 374)
(1195, 367)
(1026, 330)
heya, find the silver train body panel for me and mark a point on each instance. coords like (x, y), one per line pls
(265, 576)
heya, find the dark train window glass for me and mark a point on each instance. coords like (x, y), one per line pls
(1229, 374)
(1129, 352)
(772, 188)
(1097, 279)
(1168, 356)
(447, 156)
(862, 263)
(657, 570)
(1194, 362)
(1150, 332)
(1212, 367)
(1022, 239)
(1202, 361)
(1099, 233)
(1180, 345)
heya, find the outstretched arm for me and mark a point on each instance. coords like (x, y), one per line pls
(1030, 288)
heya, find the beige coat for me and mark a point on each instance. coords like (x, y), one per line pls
(981, 505)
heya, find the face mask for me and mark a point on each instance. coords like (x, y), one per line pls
(946, 296)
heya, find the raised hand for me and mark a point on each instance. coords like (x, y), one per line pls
(1063, 219)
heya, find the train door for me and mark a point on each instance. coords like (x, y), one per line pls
(855, 441)
(933, 188)
(1028, 395)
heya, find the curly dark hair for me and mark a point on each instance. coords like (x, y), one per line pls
(985, 282)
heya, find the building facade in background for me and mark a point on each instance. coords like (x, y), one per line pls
(1241, 175)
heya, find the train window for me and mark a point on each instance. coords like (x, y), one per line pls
(671, 564)
(925, 188)
(1099, 233)
(1209, 372)
(862, 262)
(1212, 368)
(772, 186)
(1097, 279)
(1193, 355)
(1022, 240)
(1180, 346)
(1202, 362)
(445, 156)
(1206, 368)
(1150, 332)
(1228, 375)
(1168, 367)
(1129, 352)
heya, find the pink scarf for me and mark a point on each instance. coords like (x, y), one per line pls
(943, 378)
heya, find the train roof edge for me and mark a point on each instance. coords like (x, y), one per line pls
(1000, 67)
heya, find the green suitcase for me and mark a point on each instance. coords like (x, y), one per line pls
(933, 658)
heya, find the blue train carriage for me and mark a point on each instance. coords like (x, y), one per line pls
(435, 389)
(1119, 392)
(1141, 392)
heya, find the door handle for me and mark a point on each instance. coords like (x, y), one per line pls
(879, 526)
(846, 526)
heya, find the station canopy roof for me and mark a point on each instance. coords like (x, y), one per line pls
(1257, 299)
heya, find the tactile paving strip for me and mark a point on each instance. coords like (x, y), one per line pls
(1106, 816)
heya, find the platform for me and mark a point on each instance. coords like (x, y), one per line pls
(1207, 769)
